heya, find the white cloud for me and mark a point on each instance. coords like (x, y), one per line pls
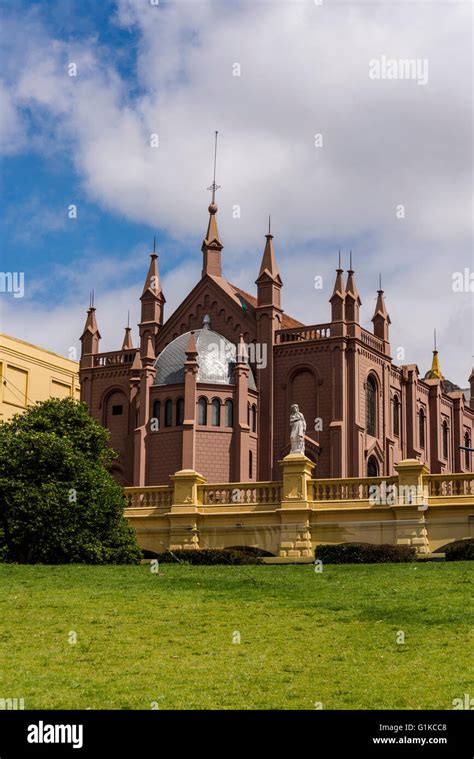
(304, 70)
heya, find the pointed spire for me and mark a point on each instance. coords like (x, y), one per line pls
(90, 336)
(269, 264)
(137, 363)
(351, 286)
(337, 299)
(352, 301)
(127, 338)
(381, 319)
(380, 307)
(242, 352)
(91, 322)
(435, 371)
(152, 303)
(339, 289)
(212, 245)
(152, 281)
(212, 239)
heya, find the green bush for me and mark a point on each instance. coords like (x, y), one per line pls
(209, 556)
(58, 502)
(364, 553)
(460, 550)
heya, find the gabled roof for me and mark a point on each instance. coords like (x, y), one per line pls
(287, 321)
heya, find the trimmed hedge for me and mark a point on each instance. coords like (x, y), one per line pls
(364, 553)
(208, 556)
(460, 550)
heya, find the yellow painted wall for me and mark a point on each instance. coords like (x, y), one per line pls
(29, 374)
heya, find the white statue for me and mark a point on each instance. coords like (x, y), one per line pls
(298, 430)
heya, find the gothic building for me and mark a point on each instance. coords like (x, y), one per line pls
(210, 388)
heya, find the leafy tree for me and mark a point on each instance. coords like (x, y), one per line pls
(58, 501)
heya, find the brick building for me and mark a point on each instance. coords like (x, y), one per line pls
(210, 388)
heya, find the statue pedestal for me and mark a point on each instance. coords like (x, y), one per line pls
(295, 538)
(297, 470)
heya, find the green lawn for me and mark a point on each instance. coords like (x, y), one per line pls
(304, 637)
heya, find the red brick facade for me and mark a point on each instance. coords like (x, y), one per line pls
(363, 413)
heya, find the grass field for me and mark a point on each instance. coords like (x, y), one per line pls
(304, 637)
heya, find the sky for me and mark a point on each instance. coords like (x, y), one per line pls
(111, 108)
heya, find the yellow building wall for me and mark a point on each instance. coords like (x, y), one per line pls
(29, 374)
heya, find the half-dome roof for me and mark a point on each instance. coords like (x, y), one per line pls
(216, 359)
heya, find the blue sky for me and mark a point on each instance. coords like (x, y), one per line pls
(171, 70)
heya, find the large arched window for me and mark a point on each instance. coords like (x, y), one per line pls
(372, 467)
(168, 413)
(216, 413)
(229, 413)
(371, 406)
(202, 411)
(250, 465)
(445, 436)
(155, 415)
(253, 418)
(396, 416)
(180, 411)
(421, 428)
(467, 454)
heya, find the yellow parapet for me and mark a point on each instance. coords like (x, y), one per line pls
(289, 519)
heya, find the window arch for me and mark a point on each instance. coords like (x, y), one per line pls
(396, 416)
(216, 412)
(179, 411)
(156, 413)
(229, 413)
(467, 454)
(169, 413)
(202, 411)
(372, 467)
(253, 418)
(421, 428)
(371, 406)
(250, 465)
(445, 439)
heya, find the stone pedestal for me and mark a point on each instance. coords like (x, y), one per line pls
(184, 532)
(411, 529)
(297, 470)
(295, 536)
(410, 482)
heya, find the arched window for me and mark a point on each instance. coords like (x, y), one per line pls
(202, 411)
(372, 467)
(421, 428)
(396, 416)
(216, 413)
(445, 436)
(180, 411)
(253, 418)
(250, 465)
(467, 454)
(371, 406)
(229, 413)
(248, 414)
(168, 413)
(155, 415)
